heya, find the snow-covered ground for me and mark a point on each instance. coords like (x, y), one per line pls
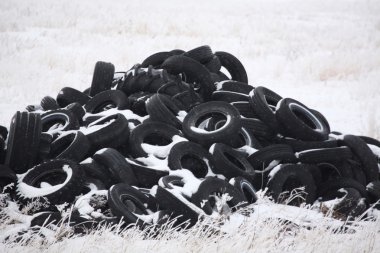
(324, 53)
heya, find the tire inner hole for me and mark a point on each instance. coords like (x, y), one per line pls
(195, 165)
(64, 144)
(131, 205)
(272, 103)
(52, 123)
(211, 121)
(304, 118)
(234, 161)
(52, 177)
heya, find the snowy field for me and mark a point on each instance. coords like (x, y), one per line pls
(324, 53)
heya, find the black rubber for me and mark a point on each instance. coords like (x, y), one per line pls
(156, 59)
(194, 71)
(325, 155)
(43, 219)
(370, 140)
(373, 189)
(202, 54)
(235, 86)
(177, 209)
(23, 141)
(120, 170)
(349, 198)
(214, 65)
(230, 162)
(258, 128)
(246, 188)
(210, 188)
(264, 103)
(365, 156)
(126, 202)
(171, 180)
(299, 145)
(59, 120)
(8, 179)
(207, 110)
(48, 103)
(146, 176)
(53, 172)
(95, 170)
(287, 177)
(113, 134)
(261, 159)
(137, 102)
(342, 183)
(244, 109)
(73, 146)
(107, 99)
(77, 110)
(229, 96)
(102, 78)
(161, 108)
(299, 122)
(156, 133)
(69, 95)
(233, 66)
(191, 156)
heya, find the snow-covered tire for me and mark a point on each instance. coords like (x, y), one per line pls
(64, 178)
(212, 186)
(191, 156)
(230, 162)
(107, 98)
(235, 86)
(159, 133)
(209, 110)
(127, 202)
(102, 78)
(287, 177)
(23, 141)
(59, 120)
(69, 95)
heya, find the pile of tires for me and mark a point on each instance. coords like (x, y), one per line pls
(181, 136)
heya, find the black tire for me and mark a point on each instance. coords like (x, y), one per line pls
(156, 59)
(202, 54)
(210, 110)
(212, 186)
(229, 96)
(137, 102)
(214, 65)
(161, 108)
(73, 146)
(262, 158)
(230, 162)
(102, 78)
(48, 103)
(155, 132)
(127, 202)
(264, 103)
(146, 176)
(245, 138)
(234, 86)
(349, 198)
(103, 100)
(3, 132)
(57, 121)
(120, 170)
(191, 156)
(187, 100)
(93, 169)
(23, 141)
(171, 180)
(287, 177)
(233, 66)
(244, 109)
(370, 141)
(299, 146)
(194, 71)
(373, 189)
(246, 188)
(342, 183)
(69, 95)
(258, 128)
(113, 134)
(178, 210)
(77, 110)
(299, 122)
(365, 156)
(8, 179)
(358, 172)
(52, 172)
(325, 155)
